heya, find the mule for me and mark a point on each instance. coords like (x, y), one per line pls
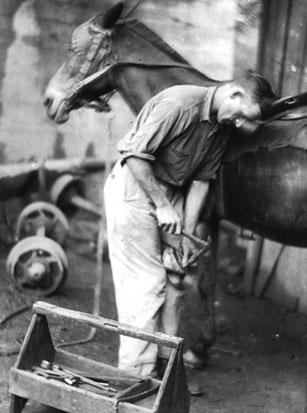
(262, 185)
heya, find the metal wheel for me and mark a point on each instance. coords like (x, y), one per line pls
(62, 190)
(43, 219)
(38, 263)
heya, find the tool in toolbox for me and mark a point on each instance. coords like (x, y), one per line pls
(69, 377)
(74, 383)
(139, 388)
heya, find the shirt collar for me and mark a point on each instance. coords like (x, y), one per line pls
(206, 106)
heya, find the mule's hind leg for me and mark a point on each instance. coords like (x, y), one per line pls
(207, 280)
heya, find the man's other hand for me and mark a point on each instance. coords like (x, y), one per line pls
(168, 219)
(190, 252)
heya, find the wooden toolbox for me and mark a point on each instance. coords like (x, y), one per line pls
(66, 381)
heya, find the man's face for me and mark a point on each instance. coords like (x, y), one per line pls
(237, 108)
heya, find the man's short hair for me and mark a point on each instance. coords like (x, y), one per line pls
(259, 89)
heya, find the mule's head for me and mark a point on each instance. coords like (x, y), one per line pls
(89, 51)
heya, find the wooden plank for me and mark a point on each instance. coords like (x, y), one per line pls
(180, 393)
(173, 394)
(163, 401)
(68, 398)
(303, 82)
(264, 28)
(17, 404)
(294, 56)
(271, 55)
(128, 408)
(56, 394)
(41, 307)
(147, 403)
(37, 344)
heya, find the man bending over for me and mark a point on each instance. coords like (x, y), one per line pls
(160, 185)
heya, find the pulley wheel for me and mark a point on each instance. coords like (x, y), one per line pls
(63, 189)
(43, 219)
(38, 263)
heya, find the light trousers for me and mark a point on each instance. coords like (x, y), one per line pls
(145, 298)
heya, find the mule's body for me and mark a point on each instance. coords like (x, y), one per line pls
(263, 187)
(263, 182)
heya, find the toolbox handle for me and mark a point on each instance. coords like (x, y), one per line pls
(41, 307)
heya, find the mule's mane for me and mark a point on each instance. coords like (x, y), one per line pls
(151, 37)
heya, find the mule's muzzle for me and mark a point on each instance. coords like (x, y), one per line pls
(56, 104)
(60, 114)
(60, 103)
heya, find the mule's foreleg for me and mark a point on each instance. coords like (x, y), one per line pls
(197, 355)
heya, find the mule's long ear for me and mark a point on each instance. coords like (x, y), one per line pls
(107, 20)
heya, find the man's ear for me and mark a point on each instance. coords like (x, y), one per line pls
(248, 127)
(236, 92)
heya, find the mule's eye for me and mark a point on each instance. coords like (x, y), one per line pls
(73, 49)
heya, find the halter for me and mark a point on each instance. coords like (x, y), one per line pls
(100, 40)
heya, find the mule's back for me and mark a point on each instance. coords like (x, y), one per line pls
(264, 182)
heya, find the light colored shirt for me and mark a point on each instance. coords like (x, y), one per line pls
(175, 133)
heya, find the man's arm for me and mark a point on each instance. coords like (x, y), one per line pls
(195, 201)
(166, 214)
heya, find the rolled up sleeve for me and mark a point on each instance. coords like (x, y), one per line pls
(149, 131)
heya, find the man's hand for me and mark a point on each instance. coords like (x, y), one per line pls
(167, 216)
(168, 219)
(190, 252)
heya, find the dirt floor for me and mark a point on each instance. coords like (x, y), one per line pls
(269, 375)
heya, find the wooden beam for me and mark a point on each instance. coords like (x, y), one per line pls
(293, 65)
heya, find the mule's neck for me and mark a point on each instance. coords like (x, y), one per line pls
(137, 84)
(136, 43)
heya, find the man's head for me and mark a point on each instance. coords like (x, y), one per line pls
(246, 98)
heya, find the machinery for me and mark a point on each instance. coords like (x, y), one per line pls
(68, 193)
(38, 261)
